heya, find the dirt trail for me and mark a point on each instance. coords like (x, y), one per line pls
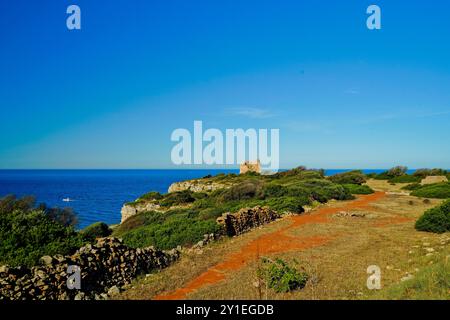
(275, 242)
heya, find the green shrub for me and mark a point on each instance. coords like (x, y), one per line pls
(301, 194)
(422, 173)
(210, 213)
(10, 203)
(391, 173)
(435, 190)
(310, 174)
(382, 176)
(274, 190)
(177, 198)
(299, 173)
(313, 183)
(96, 230)
(205, 203)
(397, 171)
(170, 233)
(291, 172)
(325, 193)
(282, 277)
(64, 216)
(244, 190)
(436, 219)
(412, 186)
(151, 196)
(28, 233)
(139, 220)
(406, 178)
(358, 189)
(286, 204)
(352, 177)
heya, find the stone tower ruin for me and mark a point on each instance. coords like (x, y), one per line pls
(249, 166)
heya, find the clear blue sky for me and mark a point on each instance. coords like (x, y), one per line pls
(109, 95)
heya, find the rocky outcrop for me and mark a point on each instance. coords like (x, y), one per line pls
(246, 219)
(196, 186)
(104, 267)
(434, 179)
(129, 210)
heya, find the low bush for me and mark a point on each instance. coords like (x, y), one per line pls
(282, 277)
(391, 173)
(177, 198)
(325, 193)
(397, 171)
(291, 172)
(28, 233)
(274, 190)
(10, 204)
(210, 213)
(151, 196)
(382, 176)
(96, 230)
(422, 173)
(352, 177)
(436, 190)
(242, 191)
(287, 204)
(299, 173)
(406, 178)
(412, 186)
(358, 189)
(436, 219)
(139, 220)
(170, 233)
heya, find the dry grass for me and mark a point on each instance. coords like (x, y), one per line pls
(384, 185)
(382, 235)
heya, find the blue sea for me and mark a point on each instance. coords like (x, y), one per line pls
(97, 195)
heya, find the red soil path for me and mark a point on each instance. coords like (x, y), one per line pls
(275, 242)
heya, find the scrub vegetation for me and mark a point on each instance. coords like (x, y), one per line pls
(189, 215)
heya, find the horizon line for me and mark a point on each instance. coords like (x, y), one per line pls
(237, 168)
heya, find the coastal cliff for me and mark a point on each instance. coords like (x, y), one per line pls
(197, 186)
(205, 185)
(131, 209)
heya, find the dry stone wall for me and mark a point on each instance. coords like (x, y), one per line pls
(105, 267)
(246, 219)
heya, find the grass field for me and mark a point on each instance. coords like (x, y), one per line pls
(335, 243)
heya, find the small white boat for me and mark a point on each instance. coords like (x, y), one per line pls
(67, 200)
